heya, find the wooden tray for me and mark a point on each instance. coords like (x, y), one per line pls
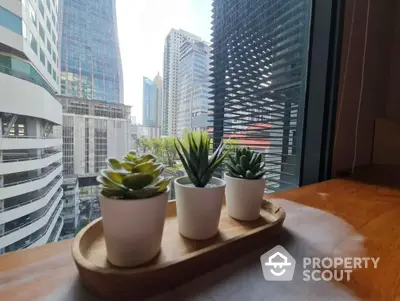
(180, 259)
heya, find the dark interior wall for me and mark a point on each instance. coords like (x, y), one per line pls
(393, 100)
(376, 79)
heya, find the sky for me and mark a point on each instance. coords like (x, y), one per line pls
(142, 28)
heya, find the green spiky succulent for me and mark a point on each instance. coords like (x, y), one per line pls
(136, 177)
(246, 164)
(194, 157)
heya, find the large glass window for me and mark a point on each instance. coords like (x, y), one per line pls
(260, 60)
(19, 68)
(10, 21)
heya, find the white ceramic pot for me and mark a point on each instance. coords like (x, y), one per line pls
(133, 228)
(244, 197)
(198, 209)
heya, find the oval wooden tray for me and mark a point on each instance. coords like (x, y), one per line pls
(180, 259)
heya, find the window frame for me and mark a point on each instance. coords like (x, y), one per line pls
(321, 92)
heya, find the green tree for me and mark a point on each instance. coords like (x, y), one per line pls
(157, 148)
(142, 145)
(169, 151)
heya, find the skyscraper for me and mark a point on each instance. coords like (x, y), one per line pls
(30, 152)
(159, 82)
(150, 102)
(90, 57)
(172, 45)
(193, 86)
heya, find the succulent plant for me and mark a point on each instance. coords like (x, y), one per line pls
(194, 157)
(136, 177)
(246, 164)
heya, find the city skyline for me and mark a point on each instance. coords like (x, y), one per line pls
(150, 27)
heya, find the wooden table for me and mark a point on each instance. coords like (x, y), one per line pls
(357, 216)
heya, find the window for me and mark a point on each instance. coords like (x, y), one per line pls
(268, 120)
(49, 46)
(54, 75)
(42, 57)
(33, 42)
(53, 17)
(41, 32)
(49, 67)
(32, 13)
(53, 36)
(10, 21)
(48, 24)
(22, 69)
(41, 7)
(54, 57)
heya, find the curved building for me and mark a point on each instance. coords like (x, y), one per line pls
(90, 57)
(30, 152)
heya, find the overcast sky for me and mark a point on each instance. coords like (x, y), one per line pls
(142, 27)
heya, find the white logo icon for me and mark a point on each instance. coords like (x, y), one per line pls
(278, 265)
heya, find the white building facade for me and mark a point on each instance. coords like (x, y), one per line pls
(30, 152)
(193, 87)
(172, 45)
(92, 132)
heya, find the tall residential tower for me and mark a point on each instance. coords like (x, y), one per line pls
(90, 57)
(30, 152)
(193, 87)
(172, 45)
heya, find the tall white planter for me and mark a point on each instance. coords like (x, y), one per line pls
(244, 197)
(198, 209)
(133, 228)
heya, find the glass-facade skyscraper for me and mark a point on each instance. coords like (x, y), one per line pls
(150, 102)
(90, 57)
(193, 87)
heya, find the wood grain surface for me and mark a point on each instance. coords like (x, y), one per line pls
(180, 259)
(357, 216)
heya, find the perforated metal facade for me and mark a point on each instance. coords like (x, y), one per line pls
(259, 75)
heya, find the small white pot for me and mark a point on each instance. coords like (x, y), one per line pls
(198, 209)
(244, 197)
(133, 228)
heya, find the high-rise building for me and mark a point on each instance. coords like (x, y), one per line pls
(193, 87)
(159, 82)
(70, 211)
(150, 102)
(259, 74)
(90, 57)
(30, 152)
(172, 45)
(92, 132)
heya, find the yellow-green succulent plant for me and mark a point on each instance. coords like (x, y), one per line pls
(135, 177)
